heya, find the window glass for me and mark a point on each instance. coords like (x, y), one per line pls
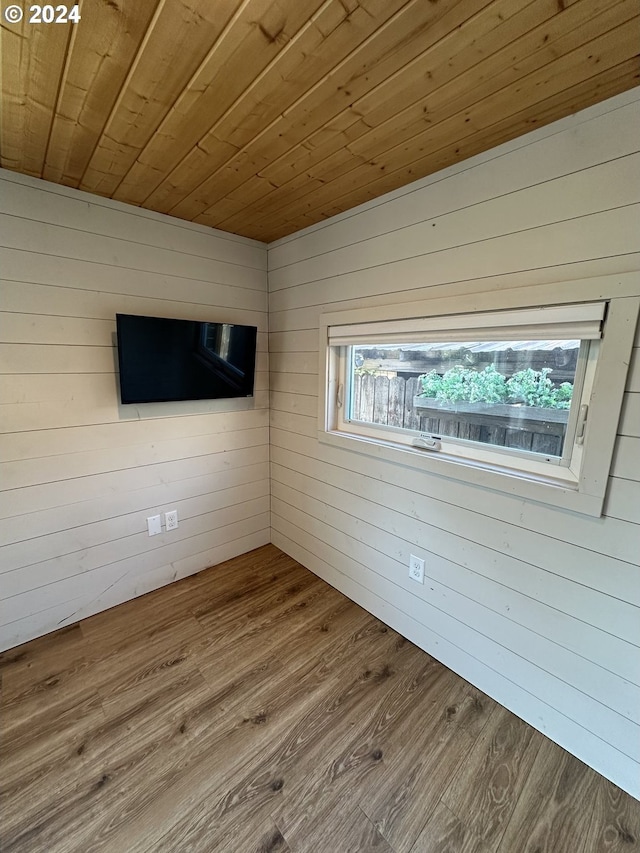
(514, 394)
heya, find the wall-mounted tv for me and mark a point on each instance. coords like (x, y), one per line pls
(163, 359)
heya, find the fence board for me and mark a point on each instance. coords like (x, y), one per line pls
(469, 431)
(411, 419)
(381, 400)
(550, 444)
(519, 438)
(396, 401)
(367, 398)
(357, 396)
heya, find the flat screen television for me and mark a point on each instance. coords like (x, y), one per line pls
(162, 359)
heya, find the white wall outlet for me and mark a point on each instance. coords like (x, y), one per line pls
(154, 525)
(171, 519)
(416, 569)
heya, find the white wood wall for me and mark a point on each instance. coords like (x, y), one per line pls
(79, 473)
(537, 607)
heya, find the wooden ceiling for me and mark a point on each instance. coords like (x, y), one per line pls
(261, 117)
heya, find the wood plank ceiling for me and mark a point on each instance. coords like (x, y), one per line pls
(261, 117)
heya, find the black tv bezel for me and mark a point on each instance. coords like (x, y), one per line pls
(174, 399)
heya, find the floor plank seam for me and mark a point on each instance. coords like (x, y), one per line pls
(206, 717)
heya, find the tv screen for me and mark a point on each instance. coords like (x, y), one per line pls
(162, 359)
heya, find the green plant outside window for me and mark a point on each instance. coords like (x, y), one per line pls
(529, 387)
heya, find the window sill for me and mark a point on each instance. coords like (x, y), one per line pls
(561, 491)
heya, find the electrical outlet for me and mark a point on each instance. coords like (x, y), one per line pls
(154, 525)
(171, 519)
(416, 569)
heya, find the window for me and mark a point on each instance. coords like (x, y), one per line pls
(512, 399)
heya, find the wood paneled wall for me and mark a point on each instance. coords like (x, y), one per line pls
(79, 473)
(537, 607)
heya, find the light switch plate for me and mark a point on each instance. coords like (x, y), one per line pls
(154, 525)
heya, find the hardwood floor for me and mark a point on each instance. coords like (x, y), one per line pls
(254, 708)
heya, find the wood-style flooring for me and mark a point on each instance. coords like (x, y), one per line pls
(253, 708)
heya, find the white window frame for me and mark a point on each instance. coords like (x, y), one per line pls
(579, 486)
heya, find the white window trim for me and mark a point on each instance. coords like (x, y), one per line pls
(581, 321)
(582, 491)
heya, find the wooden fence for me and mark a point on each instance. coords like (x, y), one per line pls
(381, 400)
